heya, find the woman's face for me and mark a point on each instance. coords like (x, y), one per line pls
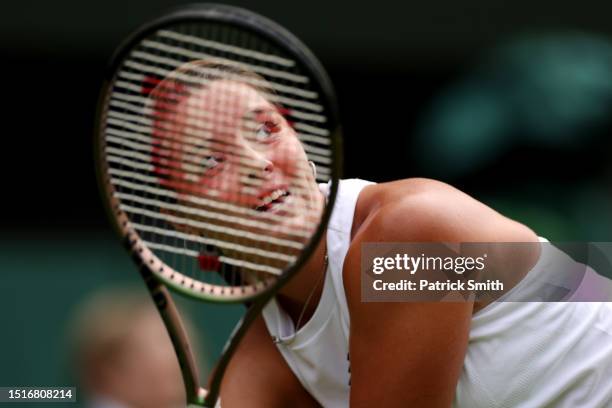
(234, 147)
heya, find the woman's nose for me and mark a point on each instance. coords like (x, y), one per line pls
(257, 165)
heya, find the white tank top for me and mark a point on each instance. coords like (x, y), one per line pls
(519, 354)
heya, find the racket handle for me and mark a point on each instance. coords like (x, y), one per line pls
(202, 394)
(178, 335)
(241, 328)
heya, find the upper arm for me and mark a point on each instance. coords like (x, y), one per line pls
(258, 376)
(404, 354)
(408, 353)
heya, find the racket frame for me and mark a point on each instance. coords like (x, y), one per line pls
(148, 264)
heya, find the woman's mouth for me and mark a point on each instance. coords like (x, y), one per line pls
(271, 199)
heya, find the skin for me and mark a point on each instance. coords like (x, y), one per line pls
(424, 343)
(244, 146)
(243, 150)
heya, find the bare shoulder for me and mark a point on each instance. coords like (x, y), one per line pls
(426, 372)
(423, 210)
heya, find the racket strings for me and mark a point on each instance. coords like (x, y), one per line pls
(128, 126)
(195, 202)
(192, 162)
(144, 63)
(192, 139)
(163, 147)
(165, 143)
(271, 88)
(307, 125)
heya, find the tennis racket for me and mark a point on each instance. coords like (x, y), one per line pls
(211, 122)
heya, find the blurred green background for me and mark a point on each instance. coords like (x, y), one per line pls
(47, 278)
(510, 103)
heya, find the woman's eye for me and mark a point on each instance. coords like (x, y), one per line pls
(266, 130)
(210, 162)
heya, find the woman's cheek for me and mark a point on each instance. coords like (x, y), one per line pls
(222, 186)
(289, 157)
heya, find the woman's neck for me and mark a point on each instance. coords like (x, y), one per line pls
(301, 295)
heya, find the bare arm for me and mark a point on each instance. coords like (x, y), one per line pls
(411, 354)
(258, 377)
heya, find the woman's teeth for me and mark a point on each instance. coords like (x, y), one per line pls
(270, 198)
(276, 194)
